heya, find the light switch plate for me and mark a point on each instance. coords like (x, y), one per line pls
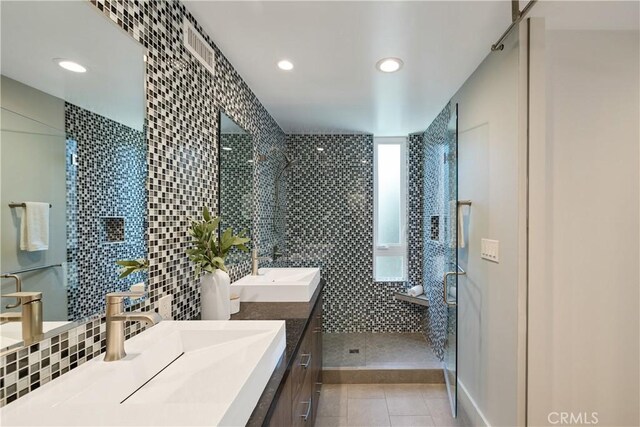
(164, 307)
(490, 250)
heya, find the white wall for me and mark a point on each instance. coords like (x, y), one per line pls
(491, 174)
(584, 282)
(32, 168)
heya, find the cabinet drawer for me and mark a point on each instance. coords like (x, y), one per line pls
(316, 347)
(303, 404)
(302, 362)
(281, 416)
(298, 403)
(316, 343)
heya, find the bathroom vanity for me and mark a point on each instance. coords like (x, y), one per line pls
(265, 370)
(291, 395)
(188, 373)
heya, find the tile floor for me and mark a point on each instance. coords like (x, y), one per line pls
(375, 351)
(371, 405)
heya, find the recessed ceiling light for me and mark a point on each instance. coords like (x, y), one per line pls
(319, 148)
(226, 148)
(70, 65)
(389, 65)
(285, 65)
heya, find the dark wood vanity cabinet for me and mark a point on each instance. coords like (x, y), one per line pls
(297, 404)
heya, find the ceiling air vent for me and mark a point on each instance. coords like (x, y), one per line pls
(198, 47)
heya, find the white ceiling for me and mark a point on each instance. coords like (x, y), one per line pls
(334, 47)
(34, 33)
(588, 15)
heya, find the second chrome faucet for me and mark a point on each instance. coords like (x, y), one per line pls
(255, 262)
(116, 316)
(255, 259)
(30, 316)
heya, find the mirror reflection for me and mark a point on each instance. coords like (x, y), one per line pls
(73, 162)
(236, 182)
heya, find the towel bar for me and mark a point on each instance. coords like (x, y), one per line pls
(27, 270)
(20, 205)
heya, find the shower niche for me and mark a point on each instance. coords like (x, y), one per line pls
(113, 229)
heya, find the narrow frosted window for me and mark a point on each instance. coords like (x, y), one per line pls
(390, 196)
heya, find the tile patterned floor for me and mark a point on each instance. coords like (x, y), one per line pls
(372, 405)
(384, 350)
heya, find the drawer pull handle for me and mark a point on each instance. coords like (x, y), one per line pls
(305, 416)
(305, 364)
(319, 388)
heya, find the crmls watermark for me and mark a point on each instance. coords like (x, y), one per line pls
(573, 418)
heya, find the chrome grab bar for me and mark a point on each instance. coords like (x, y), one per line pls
(459, 272)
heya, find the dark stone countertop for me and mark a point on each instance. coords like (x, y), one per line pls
(296, 316)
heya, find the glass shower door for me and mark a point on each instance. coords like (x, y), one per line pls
(450, 277)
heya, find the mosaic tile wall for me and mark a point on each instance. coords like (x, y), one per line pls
(330, 223)
(269, 204)
(236, 188)
(183, 100)
(438, 188)
(415, 187)
(106, 210)
(278, 218)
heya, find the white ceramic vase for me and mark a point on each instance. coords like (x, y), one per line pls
(214, 296)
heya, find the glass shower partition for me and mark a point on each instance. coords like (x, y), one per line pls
(450, 259)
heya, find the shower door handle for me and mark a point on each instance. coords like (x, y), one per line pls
(461, 272)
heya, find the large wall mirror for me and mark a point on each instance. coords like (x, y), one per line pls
(235, 146)
(73, 140)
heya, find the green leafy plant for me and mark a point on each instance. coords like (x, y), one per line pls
(210, 248)
(130, 266)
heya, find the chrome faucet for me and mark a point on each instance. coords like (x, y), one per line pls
(31, 315)
(116, 316)
(18, 287)
(255, 261)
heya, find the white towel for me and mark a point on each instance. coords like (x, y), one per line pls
(34, 228)
(415, 291)
(453, 291)
(459, 211)
(461, 238)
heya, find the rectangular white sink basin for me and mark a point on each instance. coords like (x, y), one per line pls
(278, 285)
(197, 373)
(11, 332)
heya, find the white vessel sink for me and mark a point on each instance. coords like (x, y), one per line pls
(278, 285)
(176, 373)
